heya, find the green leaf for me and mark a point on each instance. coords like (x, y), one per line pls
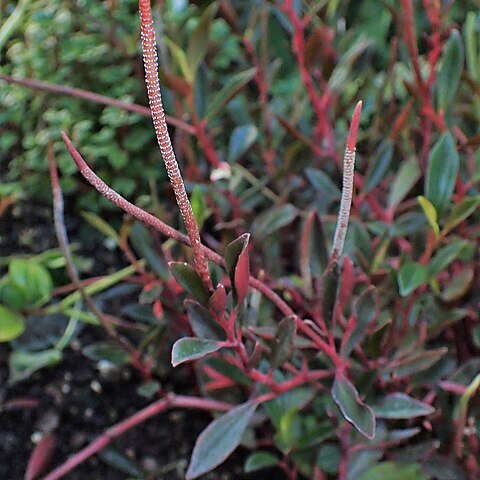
(416, 362)
(274, 219)
(203, 324)
(459, 285)
(400, 405)
(353, 409)
(116, 459)
(410, 276)
(452, 66)
(328, 458)
(33, 279)
(330, 282)
(231, 88)
(430, 213)
(366, 309)
(189, 280)
(394, 471)
(258, 460)
(219, 440)
(106, 351)
(243, 137)
(199, 206)
(283, 342)
(323, 184)
(180, 59)
(445, 256)
(23, 363)
(442, 172)
(379, 166)
(406, 178)
(238, 266)
(12, 325)
(460, 212)
(187, 349)
(198, 43)
(101, 225)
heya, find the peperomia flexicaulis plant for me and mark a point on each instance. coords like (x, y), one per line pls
(297, 390)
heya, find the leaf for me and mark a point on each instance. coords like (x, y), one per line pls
(366, 309)
(283, 342)
(188, 348)
(406, 178)
(451, 70)
(218, 300)
(445, 256)
(116, 459)
(238, 266)
(190, 281)
(410, 276)
(12, 325)
(328, 458)
(274, 219)
(331, 280)
(460, 212)
(101, 225)
(258, 460)
(198, 43)
(41, 456)
(415, 363)
(430, 213)
(243, 137)
(353, 409)
(33, 279)
(400, 405)
(219, 440)
(108, 351)
(394, 471)
(180, 59)
(323, 184)
(459, 285)
(203, 324)
(379, 166)
(199, 206)
(442, 170)
(23, 363)
(231, 88)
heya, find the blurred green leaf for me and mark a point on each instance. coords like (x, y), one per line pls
(356, 412)
(242, 138)
(406, 178)
(379, 167)
(23, 363)
(187, 349)
(394, 471)
(12, 325)
(283, 342)
(258, 460)
(190, 281)
(106, 351)
(410, 276)
(443, 164)
(430, 213)
(400, 405)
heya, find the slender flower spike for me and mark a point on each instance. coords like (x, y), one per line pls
(347, 188)
(164, 142)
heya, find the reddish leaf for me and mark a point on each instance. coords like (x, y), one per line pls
(238, 266)
(40, 457)
(218, 300)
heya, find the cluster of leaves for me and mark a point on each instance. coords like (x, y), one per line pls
(370, 371)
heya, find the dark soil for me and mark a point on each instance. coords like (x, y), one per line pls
(77, 403)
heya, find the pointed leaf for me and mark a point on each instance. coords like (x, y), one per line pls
(238, 266)
(106, 351)
(24, 363)
(12, 325)
(445, 256)
(218, 300)
(379, 167)
(188, 348)
(189, 279)
(442, 172)
(406, 178)
(41, 456)
(283, 342)
(258, 460)
(459, 285)
(430, 213)
(330, 282)
(275, 218)
(460, 212)
(219, 440)
(198, 43)
(400, 405)
(452, 66)
(202, 322)
(353, 409)
(366, 310)
(410, 276)
(416, 362)
(231, 88)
